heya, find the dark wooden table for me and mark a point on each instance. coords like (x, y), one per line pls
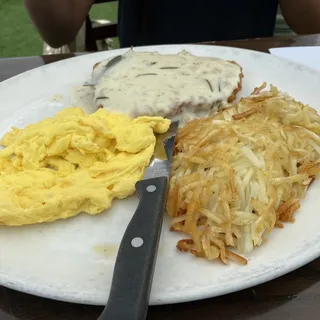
(294, 296)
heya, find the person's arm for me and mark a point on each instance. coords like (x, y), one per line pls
(58, 21)
(302, 16)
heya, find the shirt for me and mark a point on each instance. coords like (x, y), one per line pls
(152, 22)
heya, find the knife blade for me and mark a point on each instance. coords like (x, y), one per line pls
(134, 267)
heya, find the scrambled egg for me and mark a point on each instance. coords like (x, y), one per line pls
(73, 162)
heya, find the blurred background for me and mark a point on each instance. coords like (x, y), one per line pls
(18, 36)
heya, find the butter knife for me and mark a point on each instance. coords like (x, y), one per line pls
(134, 267)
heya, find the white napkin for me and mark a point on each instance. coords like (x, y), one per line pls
(309, 56)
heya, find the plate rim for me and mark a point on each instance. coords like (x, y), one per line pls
(63, 61)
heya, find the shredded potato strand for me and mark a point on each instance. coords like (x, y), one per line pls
(242, 172)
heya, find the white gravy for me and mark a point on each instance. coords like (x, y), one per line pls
(149, 83)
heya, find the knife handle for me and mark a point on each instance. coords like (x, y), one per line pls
(134, 267)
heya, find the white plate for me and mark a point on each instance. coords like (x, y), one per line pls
(73, 260)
